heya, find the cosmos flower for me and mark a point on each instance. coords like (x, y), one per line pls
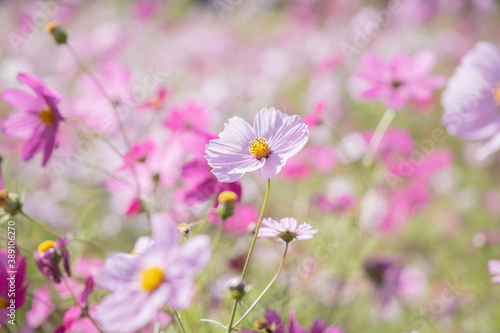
(273, 323)
(49, 254)
(286, 229)
(8, 300)
(39, 123)
(267, 145)
(161, 276)
(398, 81)
(471, 100)
(494, 268)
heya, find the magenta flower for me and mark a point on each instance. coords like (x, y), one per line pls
(49, 254)
(39, 123)
(398, 81)
(494, 268)
(286, 229)
(471, 100)
(267, 145)
(8, 281)
(273, 323)
(161, 276)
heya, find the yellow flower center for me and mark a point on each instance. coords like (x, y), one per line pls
(497, 95)
(259, 148)
(51, 26)
(45, 245)
(3, 303)
(46, 116)
(226, 197)
(151, 278)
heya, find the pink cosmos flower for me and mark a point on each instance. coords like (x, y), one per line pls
(186, 117)
(471, 100)
(10, 302)
(398, 81)
(157, 101)
(267, 145)
(39, 123)
(48, 256)
(286, 229)
(494, 268)
(41, 307)
(161, 276)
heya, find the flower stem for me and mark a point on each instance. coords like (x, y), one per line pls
(178, 319)
(243, 273)
(266, 289)
(377, 136)
(245, 267)
(44, 228)
(218, 235)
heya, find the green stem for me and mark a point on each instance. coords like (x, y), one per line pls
(44, 228)
(178, 319)
(266, 289)
(233, 313)
(218, 235)
(245, 267)
(377, 136)
(243, 273)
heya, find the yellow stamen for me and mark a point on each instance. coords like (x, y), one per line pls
(3, 303)
(151, 278)
(45, 245)
(46, 116)
(227, 197)
(51, 26)
(497, 95)
(259, 148)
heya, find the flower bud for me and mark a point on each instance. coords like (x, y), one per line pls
(58, 34)
(10, 203)
(238, 287)
(227, 201)
(48, 257)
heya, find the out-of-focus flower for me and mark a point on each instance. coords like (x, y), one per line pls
(48, 256)
(187, 117)
(244, 215)
(471, 100)
(273, 323)
(56, 32)
(286, 229)
(39, 123)
(157, 101)
(75, 319)
(337, 205)
(11, 281)
(384, 273)
(10, 204)
(162, 275)
(494, 268)
(267, 145)
(398, 81)
(41, 307)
